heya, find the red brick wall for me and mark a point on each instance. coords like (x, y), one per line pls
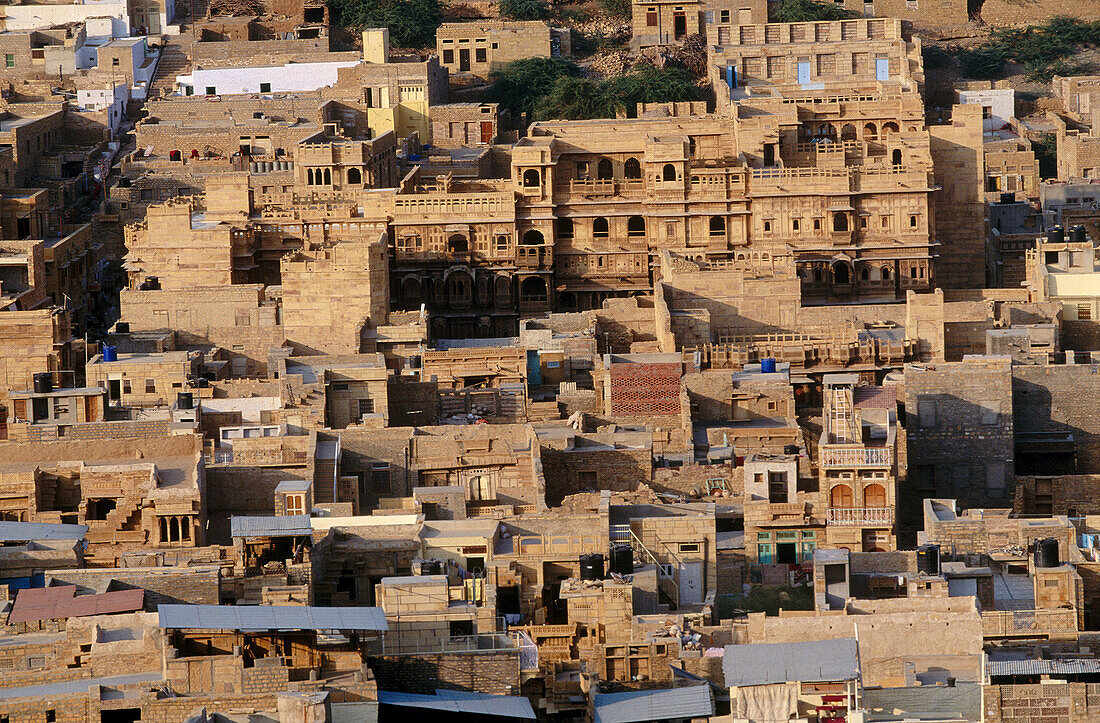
(639, 389)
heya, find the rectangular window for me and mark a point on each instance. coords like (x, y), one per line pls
(689, 547)
(9, 60)
(480, 55)
(150, 386)
(1084, 311)
(295, 505)
(211, 90)
(265, 87)
(126, 386)
(366, 406)
(764, 553)
(724, 16)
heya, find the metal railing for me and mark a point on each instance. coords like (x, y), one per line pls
(855, 457)
(855, 516)
(623, 533)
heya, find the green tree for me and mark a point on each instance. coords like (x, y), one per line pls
(581, 99)
(984, 62)
(802, 11)
(411, 23)
(616, 8)
(520, 85)
(524, 9)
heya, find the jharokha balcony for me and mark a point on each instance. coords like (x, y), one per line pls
(861, 516)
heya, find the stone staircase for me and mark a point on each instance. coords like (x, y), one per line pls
(173, 61)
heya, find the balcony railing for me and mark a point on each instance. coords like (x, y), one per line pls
(856, 457)
(859, 516)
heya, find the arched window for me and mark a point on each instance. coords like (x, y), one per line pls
(600, 228)
(840, 496)
(604, 169)
(355, 176)
(717, 226)
(533, 289)
(840, 273)
(896, 156)
(632, 169)
(309, 177)
(533, 238)
(865, 274)
(458, 287)
(565, 228)
(848, 132)
(502, 289)
(457, 244)
(888, 128)
(840, 221)
(567, 300)
(328, 177)
(669, 172)
(870, 132)
(531, 178)
(874, 495)
(635, 226)
(410, 289)
(817, 276)
(885, 273)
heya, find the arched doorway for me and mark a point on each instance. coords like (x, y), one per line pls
(669, 172)
(600, 228)
(355, 176)
(457, 244)
(410, 289)
(635, 226)
(874, 495)
(531, 178)
(533, 237)
(632, 168)
(533, 290)
(848, 132)
(841, 273)
(895, 156)
(604, 169)
(717, 226)
(840, 222)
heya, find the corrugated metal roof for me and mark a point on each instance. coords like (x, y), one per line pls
(814, 661)
(962, 701)
(293, 485)
(269, 617)
(59, 603)
(24, 531)
(1044, 667)
(270, 526)
(451, 701)
(652, 705)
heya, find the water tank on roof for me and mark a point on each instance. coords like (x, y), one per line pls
(1046, 553)
(767, 365)
(928, 559)
(592, 567)
(43, 383)
(110, 353)
(622, 559)
(1078, 234)
(1056, 235)
(122, 327)
(185, 400)
(431, 567)
(1008, 198)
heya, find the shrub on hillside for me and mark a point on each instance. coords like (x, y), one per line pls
(411, 23)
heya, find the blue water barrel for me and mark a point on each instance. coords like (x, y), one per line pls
(110, 353)
(767, 365)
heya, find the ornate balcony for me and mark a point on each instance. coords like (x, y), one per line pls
(855, 457)
(861, 516)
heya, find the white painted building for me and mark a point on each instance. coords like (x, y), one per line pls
(288, 78)
(34, 16)
(110, 97)
(998, 106)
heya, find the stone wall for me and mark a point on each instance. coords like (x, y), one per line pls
(496, 673)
